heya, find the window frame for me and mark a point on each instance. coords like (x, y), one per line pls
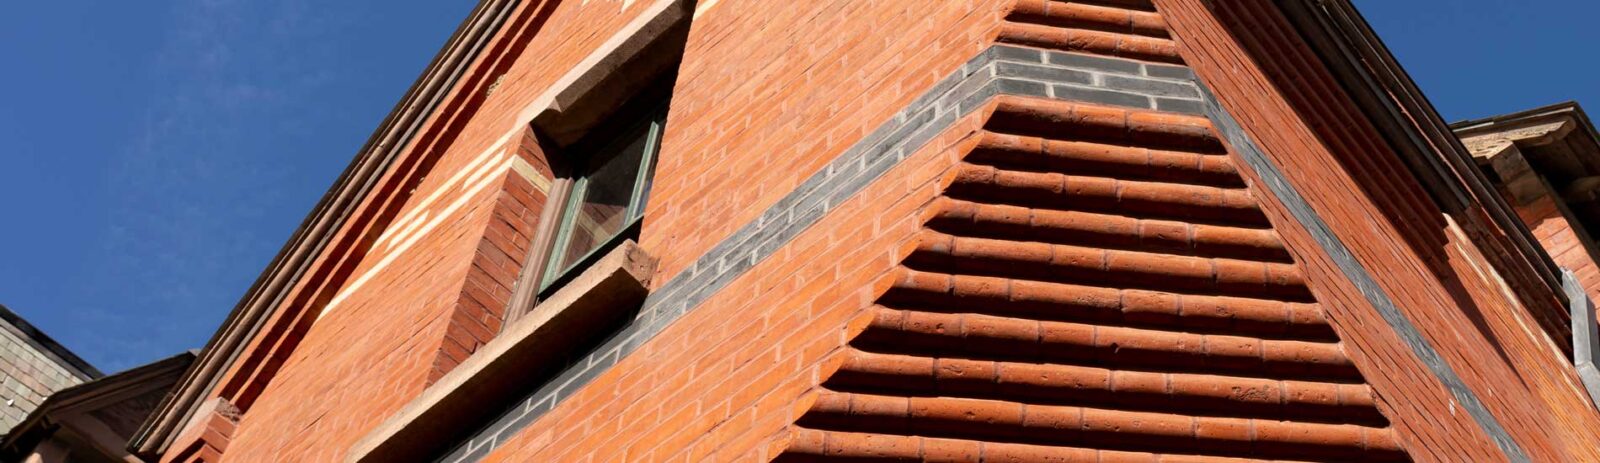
(553, 275)
(572, 166)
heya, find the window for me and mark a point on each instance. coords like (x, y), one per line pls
(599, 132)
(609, 188)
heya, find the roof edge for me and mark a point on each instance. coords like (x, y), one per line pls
(1363, 64)
(1569, 110)
(1565, 106)
(48, 346)
(37, 424)
(308, 241)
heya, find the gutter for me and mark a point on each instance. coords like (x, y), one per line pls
(1585, 336)
(266, 295)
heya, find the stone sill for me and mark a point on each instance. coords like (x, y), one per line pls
(466, 397)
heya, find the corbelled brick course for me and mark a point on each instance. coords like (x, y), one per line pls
(939, 351)
(1105, 340)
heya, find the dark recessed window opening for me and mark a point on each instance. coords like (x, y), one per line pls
(612, 170)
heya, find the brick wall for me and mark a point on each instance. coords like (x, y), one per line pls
(399, 323)
(827, 75)
(721, 382)
(769, 95)
(208, 439)
(435, 282)
(1435, 284)
(1555, 231)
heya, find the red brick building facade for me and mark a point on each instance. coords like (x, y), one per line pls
(956, 230)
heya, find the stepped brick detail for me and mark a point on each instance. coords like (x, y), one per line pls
(1094, 280)
(1095, 283)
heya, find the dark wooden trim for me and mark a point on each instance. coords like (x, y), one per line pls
(47, 418)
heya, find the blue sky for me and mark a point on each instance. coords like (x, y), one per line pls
(155, 155)
(1477, 58)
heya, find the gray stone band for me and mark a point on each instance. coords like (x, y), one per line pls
(1357, 274)
(1000, 70)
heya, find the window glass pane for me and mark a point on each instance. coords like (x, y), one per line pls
(650, 169)
(644, 195)
(600, 207)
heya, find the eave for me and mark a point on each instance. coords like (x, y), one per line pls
(1560, 136)
(1388, 96)
(87, 396)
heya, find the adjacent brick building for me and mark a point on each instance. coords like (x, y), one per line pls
(966, 230)
(1546, 162)
(32, 366)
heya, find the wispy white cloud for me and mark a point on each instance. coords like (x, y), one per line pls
(196, 184)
